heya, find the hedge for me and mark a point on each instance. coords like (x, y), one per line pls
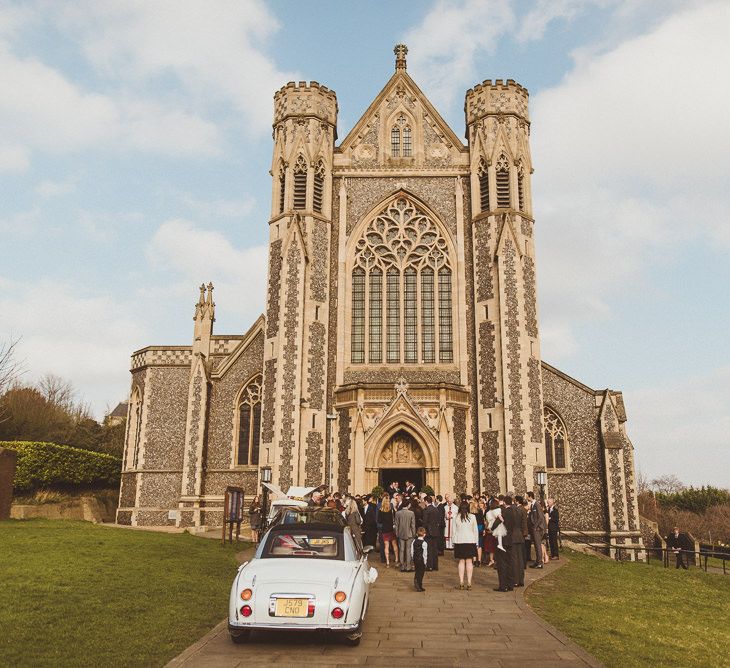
(61, 466)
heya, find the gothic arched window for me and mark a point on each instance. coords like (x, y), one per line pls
(556, 439)
(282, 188)
(401, 143)
(407, 150)
(300, 183)
(483, 173)
(395, 141)
(521, 186)
(402, 271)
(249, 423)
(503, 189)
(318, 192)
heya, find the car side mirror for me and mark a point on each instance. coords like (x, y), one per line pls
(367, 549)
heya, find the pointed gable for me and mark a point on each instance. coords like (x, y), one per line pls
(401, 129)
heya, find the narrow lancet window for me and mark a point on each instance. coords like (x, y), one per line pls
(428, 334)
(395, 142)
(249, 424)
(375, 325)
(300, 183)
(483, 174)
(318, 192)
(357, 351)
(393, 322)
(446, 347)
(503, 190)
(407, 150)
(410, 315)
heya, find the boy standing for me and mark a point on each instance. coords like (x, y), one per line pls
(419, 557)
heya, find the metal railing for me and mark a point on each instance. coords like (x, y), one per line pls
(700, 556)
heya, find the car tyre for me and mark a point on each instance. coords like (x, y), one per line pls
(240, 637)
(353, 640)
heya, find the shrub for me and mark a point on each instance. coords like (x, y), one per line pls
(377, 491)
(61, 467)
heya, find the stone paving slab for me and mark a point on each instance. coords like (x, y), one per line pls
(442, 627)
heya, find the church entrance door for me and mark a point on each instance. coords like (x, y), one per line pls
(402, 459)
(416, 476)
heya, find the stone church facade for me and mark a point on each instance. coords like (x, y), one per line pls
(400, 337)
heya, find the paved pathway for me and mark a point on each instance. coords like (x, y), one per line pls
(441, 627)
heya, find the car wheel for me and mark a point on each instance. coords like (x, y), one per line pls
(240, 637)
(353, 640)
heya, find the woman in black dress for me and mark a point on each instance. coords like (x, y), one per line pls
(385, 519)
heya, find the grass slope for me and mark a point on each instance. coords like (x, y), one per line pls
(75, 594)
(630, 614)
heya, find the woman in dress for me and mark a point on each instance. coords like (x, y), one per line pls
(385, 519)
(466, 539)
(254, 518)
(490, 542)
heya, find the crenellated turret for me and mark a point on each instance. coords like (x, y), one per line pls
(305, 131)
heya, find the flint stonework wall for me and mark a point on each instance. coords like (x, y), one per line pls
(166, 414)
(223, 395)
(581, 493)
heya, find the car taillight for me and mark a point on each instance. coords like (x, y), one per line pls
(340, 596)
(338, 613)
(246, 610)
(310, 608)
(246, 595)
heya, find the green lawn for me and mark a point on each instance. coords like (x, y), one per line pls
(76, 594)
(630, 614)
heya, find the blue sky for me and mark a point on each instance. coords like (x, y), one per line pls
(136, 145)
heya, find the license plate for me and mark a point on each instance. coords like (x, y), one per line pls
(291, 607)
(321, 541)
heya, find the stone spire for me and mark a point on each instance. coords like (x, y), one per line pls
(204, 319)
(400, 51)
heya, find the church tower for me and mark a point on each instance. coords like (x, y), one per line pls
(509, 409)
(293, 425)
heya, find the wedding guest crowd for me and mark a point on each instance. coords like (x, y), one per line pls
(413, 529)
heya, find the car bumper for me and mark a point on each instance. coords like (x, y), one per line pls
(252, 626)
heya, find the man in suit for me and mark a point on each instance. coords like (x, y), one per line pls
(405, 531)
(442, 523)
(553, 528)
(410, 488)
(537, 527)
(519, 550)
(504, 557)
(393, 489)
(432, 524)
(678, 542)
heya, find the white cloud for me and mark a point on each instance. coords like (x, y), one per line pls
(683, 427)
(213, 51)
(48, 112)
(444, 46)
(75, 333)
(55, 188)
(631, 153)
(191, 255)
(13, 158)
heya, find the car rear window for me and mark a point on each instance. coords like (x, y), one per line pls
(303, 544)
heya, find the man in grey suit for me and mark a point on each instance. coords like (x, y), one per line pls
(537, 526)
(405, 530)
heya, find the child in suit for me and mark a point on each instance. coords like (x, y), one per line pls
(419, 557)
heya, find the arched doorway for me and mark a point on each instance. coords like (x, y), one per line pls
(402, 460)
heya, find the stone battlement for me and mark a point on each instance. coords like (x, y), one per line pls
(496, 97)
(305, 99)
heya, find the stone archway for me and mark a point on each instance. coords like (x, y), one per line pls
(401, 450)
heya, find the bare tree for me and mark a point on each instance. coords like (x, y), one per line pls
(57, 391)
(667, 484)
(11, 368)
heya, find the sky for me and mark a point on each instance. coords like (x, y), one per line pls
(136, 145)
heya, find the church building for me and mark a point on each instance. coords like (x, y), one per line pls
(401, 334)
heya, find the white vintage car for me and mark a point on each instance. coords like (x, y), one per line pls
(307, 574)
